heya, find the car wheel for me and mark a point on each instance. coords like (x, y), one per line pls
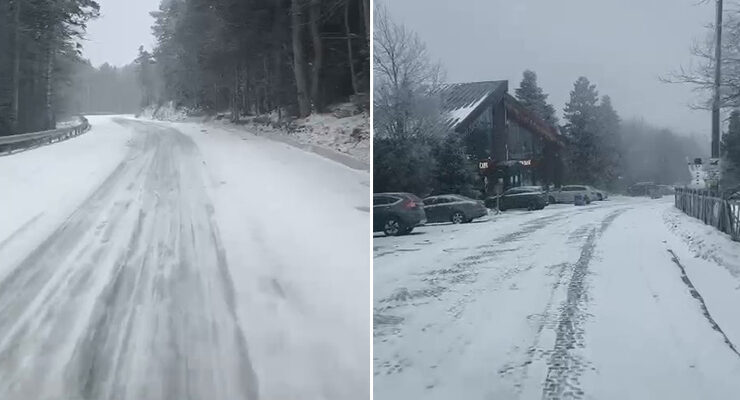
(392, 227)
(532, 206)
(600, 196)
(458, 218)
(551, 200)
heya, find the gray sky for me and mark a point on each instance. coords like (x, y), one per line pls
(123, 26)
(622, 46)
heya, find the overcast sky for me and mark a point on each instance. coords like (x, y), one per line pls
(123, 26)
(622, 46)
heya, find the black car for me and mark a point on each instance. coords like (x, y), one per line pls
(453, 208)
(397, 213)
(529, 197)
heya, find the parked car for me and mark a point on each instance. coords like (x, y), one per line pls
(529, 197)
(453, 208)
(598, 194)
(567, 194)
(641, 189)
(397, 213)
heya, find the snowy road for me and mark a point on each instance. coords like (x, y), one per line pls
(185, 265)
(620, 299)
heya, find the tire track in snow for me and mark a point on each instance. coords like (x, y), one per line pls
(84, 316)
(565, 367)
(704, 310)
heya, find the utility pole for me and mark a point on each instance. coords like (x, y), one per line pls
(713, 170)
(717, 78)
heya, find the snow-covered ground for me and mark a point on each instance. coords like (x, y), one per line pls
(151, 260)
(342, 135)
(569, 302)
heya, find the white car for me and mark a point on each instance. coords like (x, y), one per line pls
(567, 194)
(597, 194)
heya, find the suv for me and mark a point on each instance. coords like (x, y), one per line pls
(567, 194)
(397, 213)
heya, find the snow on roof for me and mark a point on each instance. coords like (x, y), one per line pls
(460, 100)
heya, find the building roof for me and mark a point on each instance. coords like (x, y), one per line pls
(462, 102)
(516, 111)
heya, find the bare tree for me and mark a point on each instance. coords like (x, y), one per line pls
(405, 80)
(702, 74)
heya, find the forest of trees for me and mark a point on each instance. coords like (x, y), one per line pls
(257, 56)
(39, 51)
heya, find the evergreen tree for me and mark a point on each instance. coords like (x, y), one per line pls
(257, 56)
(608, 142)
(39, 41)
(581, 127)
(731, 139)
(731, 153)
(455, 172)
(403, 164)
(534, 98)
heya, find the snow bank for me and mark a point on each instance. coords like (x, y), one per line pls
(49, 182)
(336, 131)
(342, 133)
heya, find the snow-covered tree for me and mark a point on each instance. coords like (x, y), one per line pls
(534, 98)
(407, 116)
(404, 78)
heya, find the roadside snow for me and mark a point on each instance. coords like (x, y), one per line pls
(341, 135)
(43, 186)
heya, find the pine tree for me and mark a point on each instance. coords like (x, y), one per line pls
(581, 127)
(455, 172)
(534, 98)
(731, 140)
(731, 153)
(608, 142)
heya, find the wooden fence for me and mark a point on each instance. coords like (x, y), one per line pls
(712, 209)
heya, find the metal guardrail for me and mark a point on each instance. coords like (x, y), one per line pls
(14, 143)
(713, 210)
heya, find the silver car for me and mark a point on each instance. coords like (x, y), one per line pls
(568, 193)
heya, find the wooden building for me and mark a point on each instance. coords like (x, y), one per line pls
(513, 145)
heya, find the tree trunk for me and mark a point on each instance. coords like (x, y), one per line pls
(318, 55)
(16, 79)
(366, 12)
(278, 28)
(299, 60)
(235, 96)
(50, 122)
(355, 85)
